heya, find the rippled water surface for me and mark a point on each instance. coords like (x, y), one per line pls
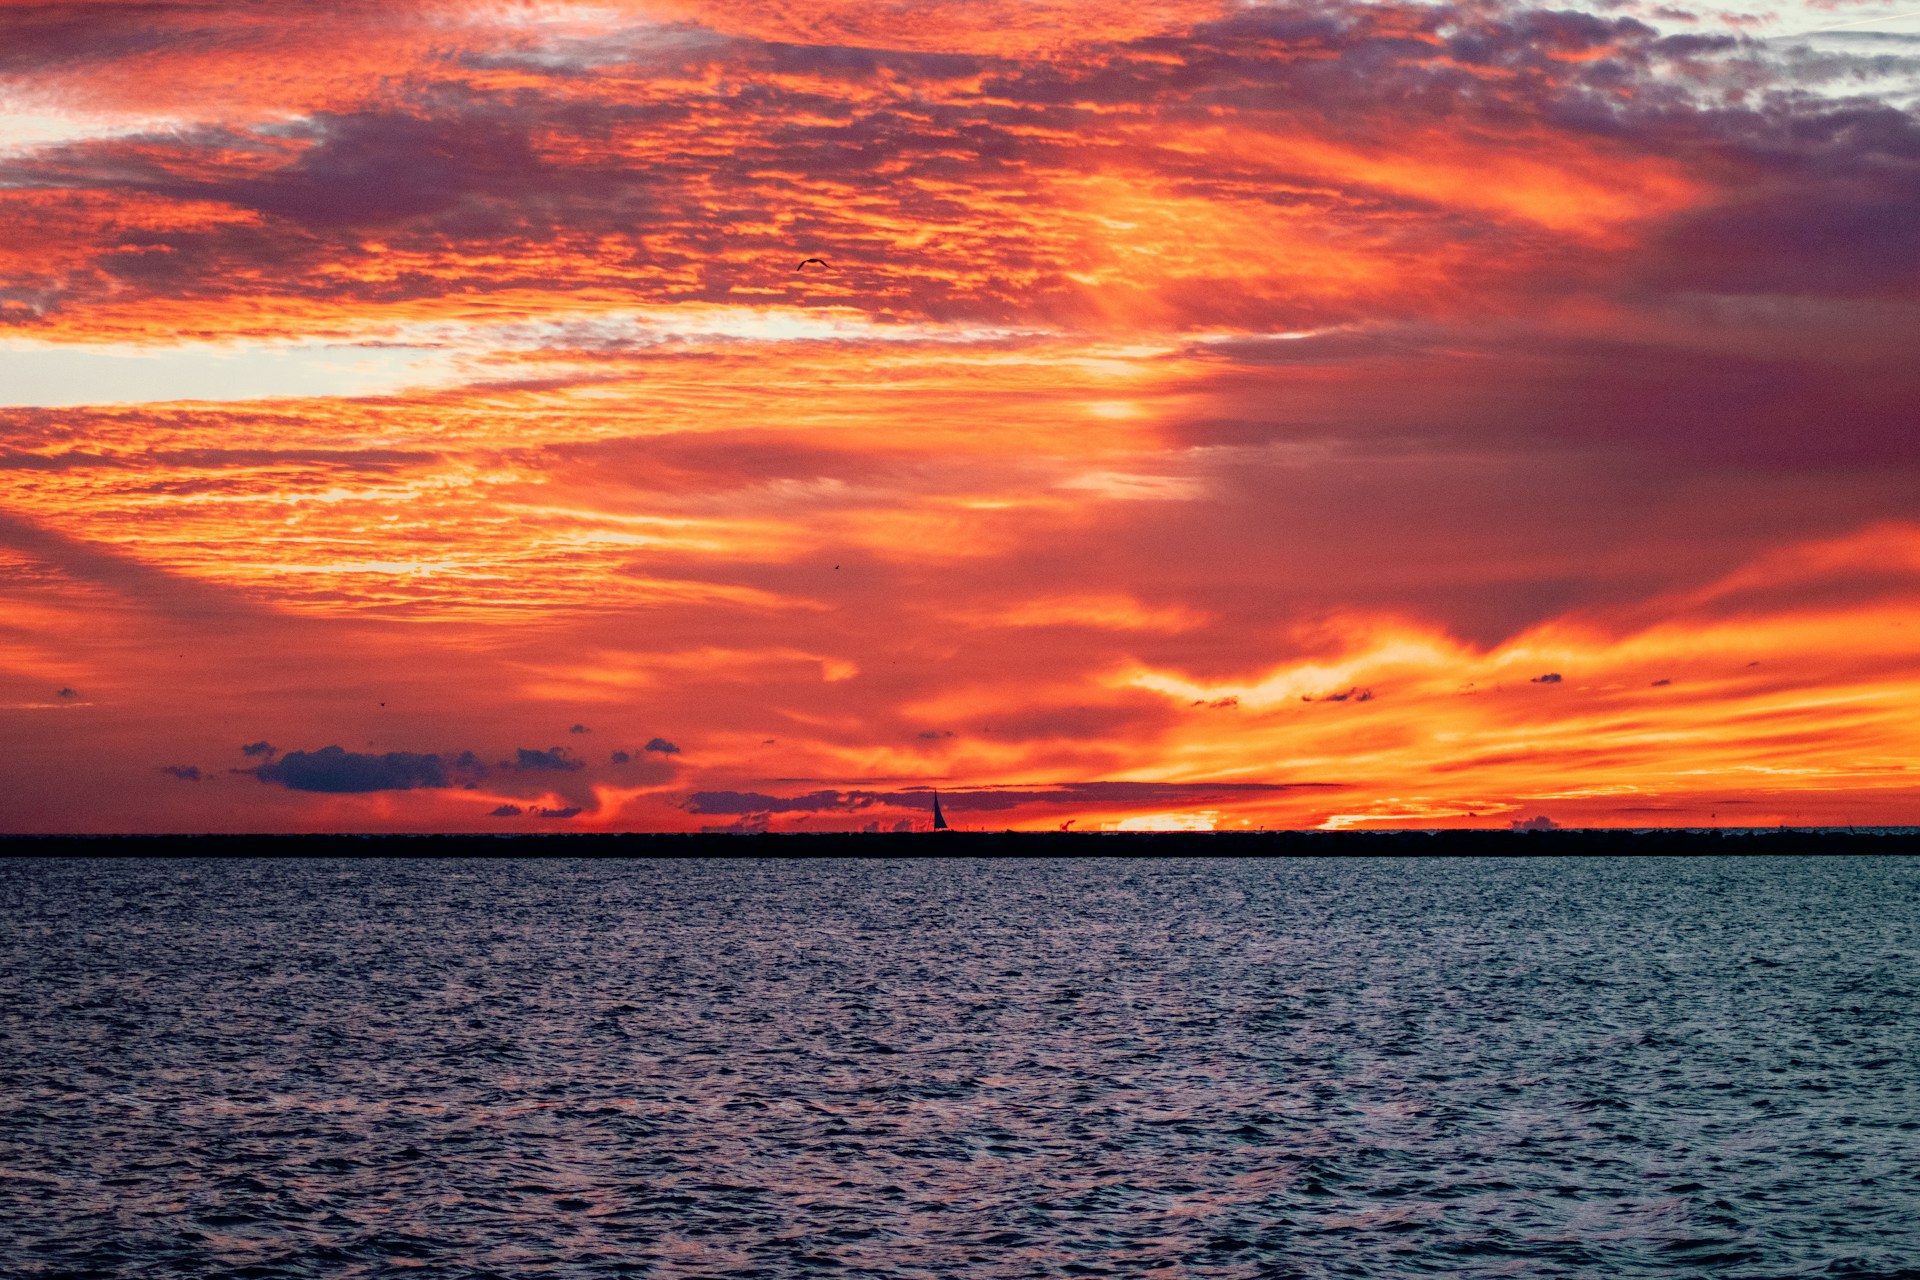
(1001, 1069)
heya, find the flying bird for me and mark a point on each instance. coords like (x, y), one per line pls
(806, 262)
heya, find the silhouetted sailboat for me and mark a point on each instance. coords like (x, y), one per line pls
(939, 819)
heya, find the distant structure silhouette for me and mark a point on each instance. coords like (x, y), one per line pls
(806, 262)
(939, 819)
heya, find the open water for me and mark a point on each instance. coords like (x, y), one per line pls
(1300, 1068)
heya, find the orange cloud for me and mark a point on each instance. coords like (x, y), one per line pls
(1194, 395)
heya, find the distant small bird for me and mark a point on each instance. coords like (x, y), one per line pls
(807, 262)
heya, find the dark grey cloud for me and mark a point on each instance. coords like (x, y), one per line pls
(505, 811)
(335, 769)
(66, 693)
(371, 168)
(662, 747)
(40, 37)
(1829, 208)
(1418, 61)
(1834, 207)
(750, 802)
(620, 757)
(184, 772)
(568, 812)
(552, 760)
(262, 748)
(1552, 677)
(579, 728)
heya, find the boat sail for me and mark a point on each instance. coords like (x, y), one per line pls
(939, 819)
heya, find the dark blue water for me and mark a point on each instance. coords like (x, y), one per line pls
(1236, 1069)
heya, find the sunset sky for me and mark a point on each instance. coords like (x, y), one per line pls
(1211, 414)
